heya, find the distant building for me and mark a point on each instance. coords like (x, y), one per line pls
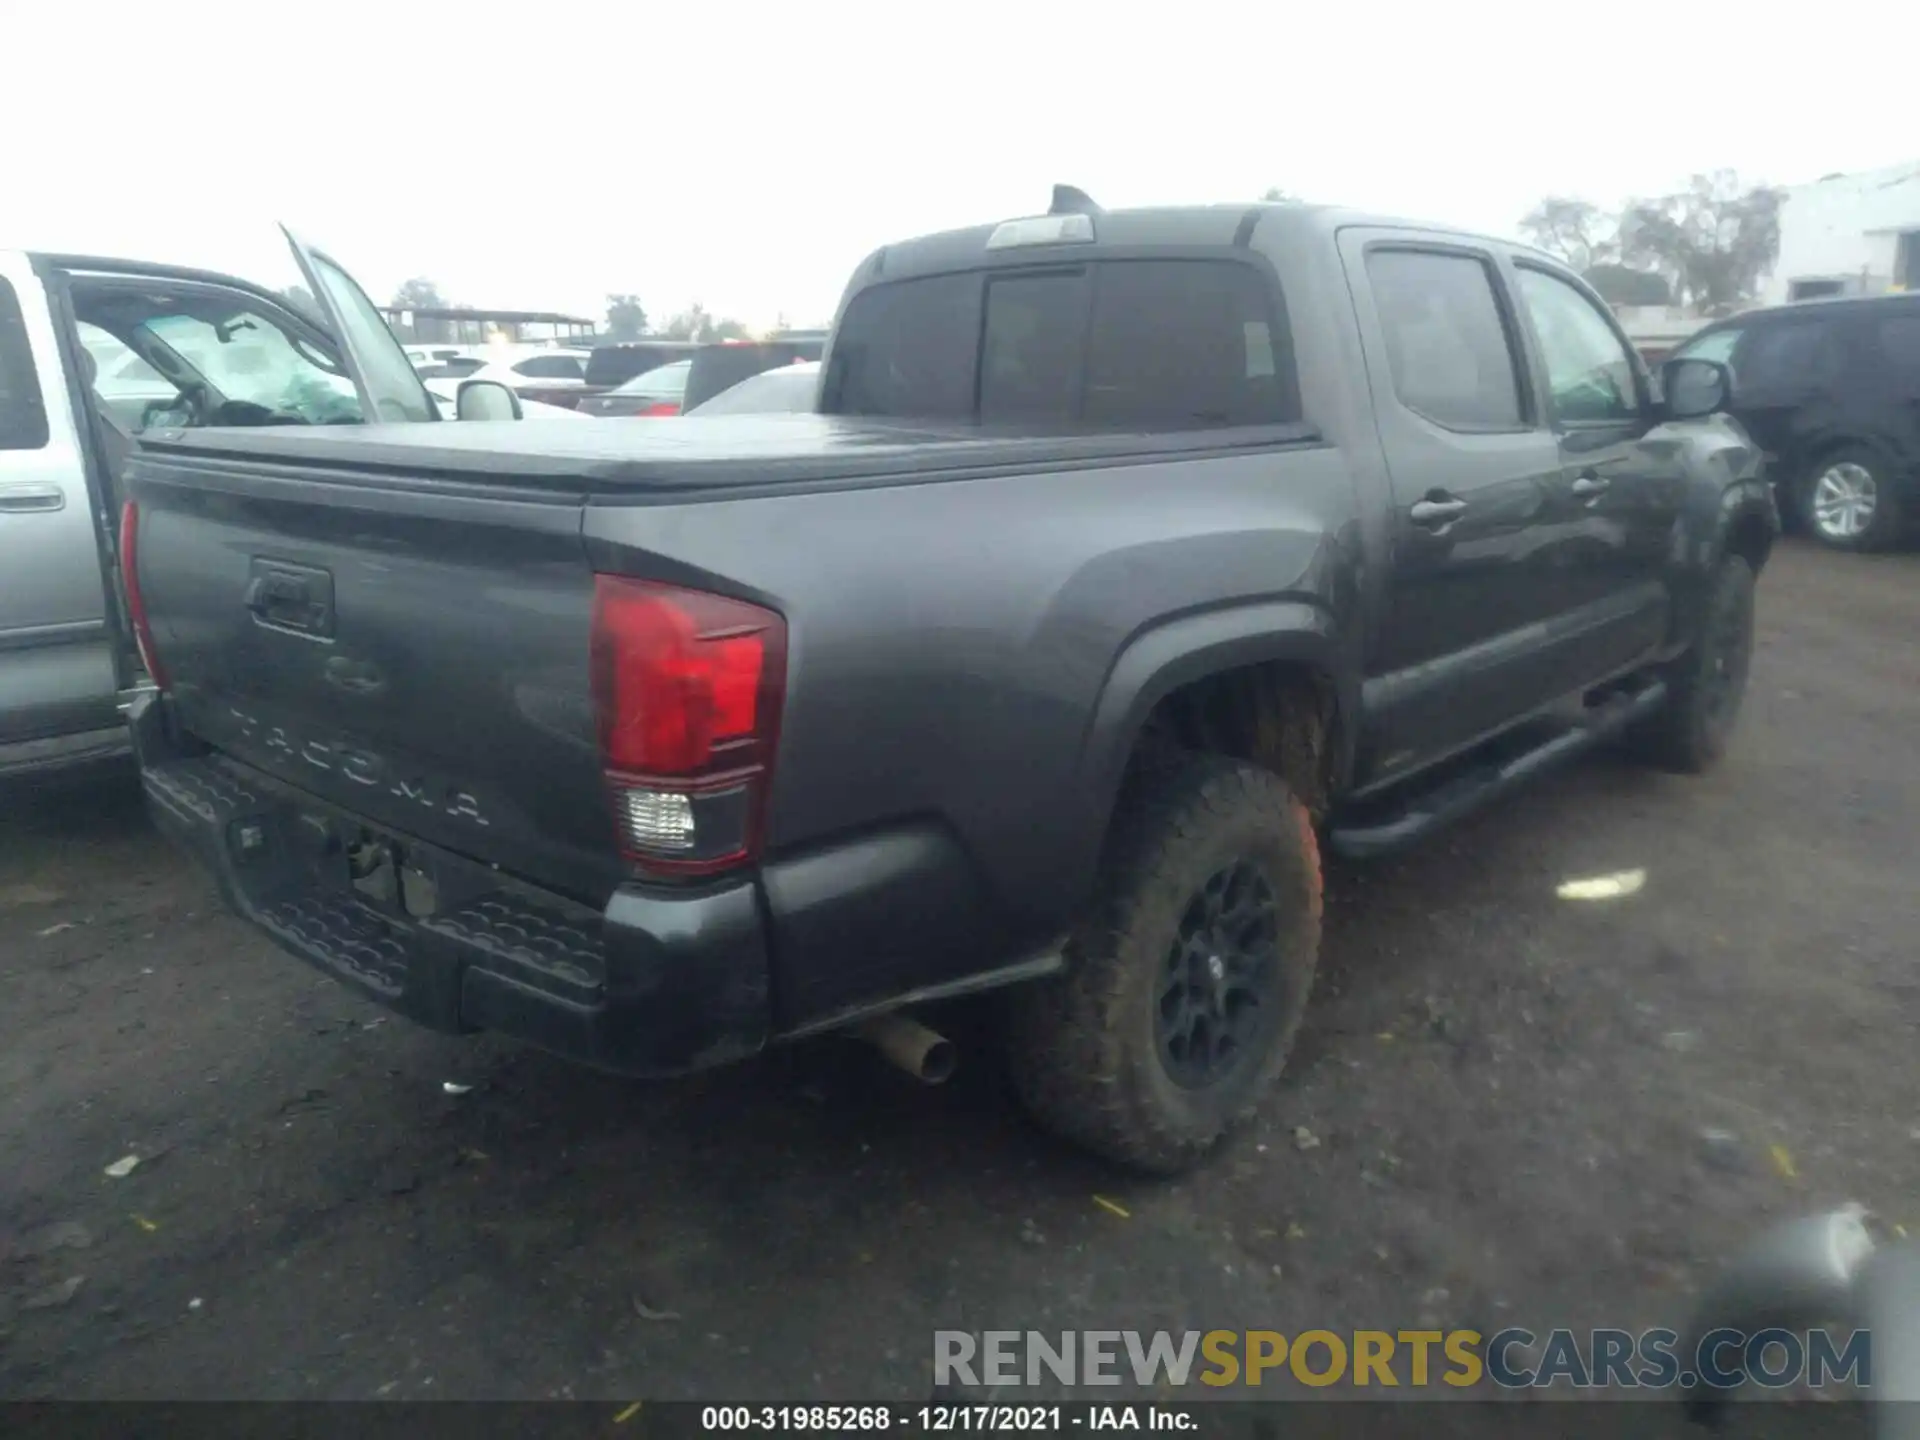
(1849, 235)
(1656, 331)
(464, 325)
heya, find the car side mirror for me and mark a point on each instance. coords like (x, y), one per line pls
(1693, 388)
(485, 400)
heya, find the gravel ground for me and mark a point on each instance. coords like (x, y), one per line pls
(1506, 1107)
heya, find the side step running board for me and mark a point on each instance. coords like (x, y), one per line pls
(1425, 810)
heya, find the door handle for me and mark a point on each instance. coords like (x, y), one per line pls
(31, 499)
(1591, 487)
(1436, 512)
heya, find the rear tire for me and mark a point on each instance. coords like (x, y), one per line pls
(1705, 686)
(1847, 501)
(1187, 981)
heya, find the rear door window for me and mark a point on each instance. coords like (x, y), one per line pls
(23, 410)
(1447, 345)
(1118, 344)
(1900, 342)
(1796, 355)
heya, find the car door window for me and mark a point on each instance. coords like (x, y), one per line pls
(1591, 377)
(23, 410)
(249, 359)
(1900, 343)
(1794, 356)
(392, 385)
(1447, 345)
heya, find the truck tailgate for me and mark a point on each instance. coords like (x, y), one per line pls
(416, 655)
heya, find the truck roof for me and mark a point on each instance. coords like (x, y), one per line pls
(1148, 227)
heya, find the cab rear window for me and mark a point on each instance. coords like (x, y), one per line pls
(1116, 344)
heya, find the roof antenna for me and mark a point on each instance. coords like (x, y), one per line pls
(1067, 200)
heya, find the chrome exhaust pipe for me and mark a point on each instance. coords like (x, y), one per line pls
(924, 1054)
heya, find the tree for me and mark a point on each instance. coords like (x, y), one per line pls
(1275, 193)
(696, 323)
(419, 293)
(1713, 241)
(690, 324)
(1576, 231)
(626, 319)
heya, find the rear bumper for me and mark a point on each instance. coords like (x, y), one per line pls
(655, 984)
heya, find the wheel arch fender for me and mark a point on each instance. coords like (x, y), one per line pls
(1740, 519)
(1173, 653)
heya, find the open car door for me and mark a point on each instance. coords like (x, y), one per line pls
(388, 386)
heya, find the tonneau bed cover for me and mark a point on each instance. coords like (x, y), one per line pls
(684, 455)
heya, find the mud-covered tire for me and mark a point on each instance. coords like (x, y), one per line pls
(1092, 1051)
(1706, 685)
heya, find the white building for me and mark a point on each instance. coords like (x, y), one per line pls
(1849, 235)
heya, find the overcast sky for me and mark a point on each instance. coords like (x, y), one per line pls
(746, 155)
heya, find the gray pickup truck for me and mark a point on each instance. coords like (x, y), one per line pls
(1134, 558)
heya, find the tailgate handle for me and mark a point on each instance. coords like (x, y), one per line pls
(31, 499)
(291, 599)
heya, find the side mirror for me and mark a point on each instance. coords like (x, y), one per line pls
(485, 400)
(1694, 388)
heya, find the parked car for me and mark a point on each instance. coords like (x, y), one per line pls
(446, 398)
(1831, 391)
(613, 364)
(453, 368)
(654, 393)
(548, 374)
(789, 388)
(95, 354)
(1135, 556)
(722, 365)
(435, 354)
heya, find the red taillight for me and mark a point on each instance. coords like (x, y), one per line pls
(665, 407)
(136, 606)
(687, 686)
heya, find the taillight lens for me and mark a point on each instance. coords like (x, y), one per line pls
(687, 686)
(136, 605)
(665, 407)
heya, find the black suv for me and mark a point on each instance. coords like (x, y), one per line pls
(1831, 391)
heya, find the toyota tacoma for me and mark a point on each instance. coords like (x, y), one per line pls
(1133, 559)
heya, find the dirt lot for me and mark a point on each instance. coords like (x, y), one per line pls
(1507, 1107)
